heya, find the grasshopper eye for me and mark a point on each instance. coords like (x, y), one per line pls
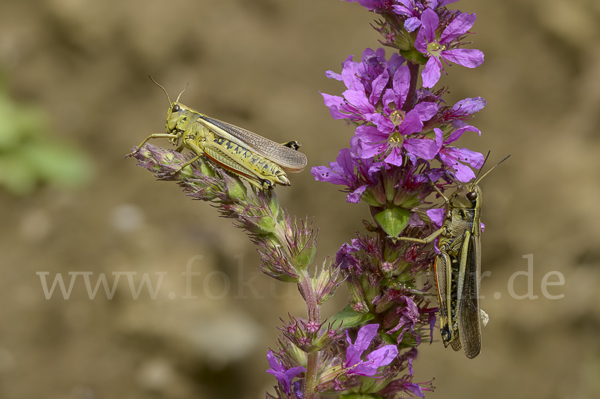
(176, 108)
(472, 196)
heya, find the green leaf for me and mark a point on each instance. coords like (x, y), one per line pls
(349, 318)
(393, 220)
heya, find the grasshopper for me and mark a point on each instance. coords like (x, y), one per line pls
(457, 268)
(260, 161)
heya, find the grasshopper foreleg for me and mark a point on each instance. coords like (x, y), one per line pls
(153, 136)
(425, 240)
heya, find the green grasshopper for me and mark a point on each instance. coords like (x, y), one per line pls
(457, 268)
(260, 161)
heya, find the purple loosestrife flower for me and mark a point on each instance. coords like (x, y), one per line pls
(378, 358)
(284, 376)
(377, 92)
(392, 125)
(444, 47)
(347, 170)
(365, 81)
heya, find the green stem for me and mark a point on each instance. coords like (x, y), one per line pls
(313, 311)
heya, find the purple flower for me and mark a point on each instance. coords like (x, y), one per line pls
(365, 81)
(283, 375)
(344, 258)
(453, 157)
(378, 358)
(445, 47)
(342, 172)
(392, 125)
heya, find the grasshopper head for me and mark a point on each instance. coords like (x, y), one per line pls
(179, 117)
(467, 196)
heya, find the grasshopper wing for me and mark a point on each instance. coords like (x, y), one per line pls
(469, 314)
(286, 157)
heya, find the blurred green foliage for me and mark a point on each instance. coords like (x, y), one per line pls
(30, 156)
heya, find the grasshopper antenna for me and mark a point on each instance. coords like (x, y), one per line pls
(186, 86)
(486, 173)
(163, 89)
(483, 164)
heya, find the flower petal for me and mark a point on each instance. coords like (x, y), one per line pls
(431, 74)
(354, 197)
(412, 24)
(383, 356)
(294, 371)
(395, 61)
(437, 216)
(430, 21)
(401, 84)
(426, 110)
(475, 159)
(469, 58)
(451, 157)
(366, 369)
(363, 338)
(334, 103)
(370, 134)
(345, 161)
(411, 123)
(394, 157)
(333, 75)
(458, 27)
(359, 100)
(273, 362)
(349, 74)
(378, 86)
(383, 124)
(468, 106)
(323, 173)
(413, 388)
(422, 148)
(455, 135)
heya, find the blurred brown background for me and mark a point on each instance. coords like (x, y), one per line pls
(261, 64)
